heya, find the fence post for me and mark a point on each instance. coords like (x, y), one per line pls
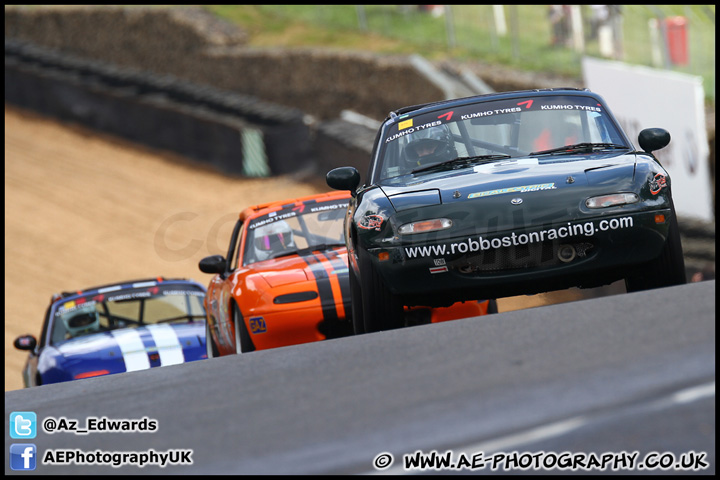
(499, 16)
(449, 26)
(362, 19)
(515, 31)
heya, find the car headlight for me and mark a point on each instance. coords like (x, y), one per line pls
(611, 200)
(425, 226)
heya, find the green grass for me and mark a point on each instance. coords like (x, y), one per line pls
(395, 29)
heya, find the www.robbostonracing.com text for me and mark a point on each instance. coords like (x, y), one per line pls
(587, 229)
(572, 461)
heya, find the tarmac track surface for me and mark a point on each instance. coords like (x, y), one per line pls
(631, 375)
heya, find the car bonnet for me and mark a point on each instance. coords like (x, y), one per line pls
(139, 348)
(517, 175)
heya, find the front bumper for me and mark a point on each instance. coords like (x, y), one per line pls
(595, 251)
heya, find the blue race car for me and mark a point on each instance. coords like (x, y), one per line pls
(117, 328)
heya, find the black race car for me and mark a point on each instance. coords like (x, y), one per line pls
(505, 194)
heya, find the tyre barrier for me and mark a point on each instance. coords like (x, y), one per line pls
(698, 240)
(234, 133)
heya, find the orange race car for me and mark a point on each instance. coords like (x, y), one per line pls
(285, 279)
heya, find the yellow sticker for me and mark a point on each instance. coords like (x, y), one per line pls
(405, 124)
(69, 305)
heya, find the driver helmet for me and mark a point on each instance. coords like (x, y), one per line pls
(430, 145)
(272, 238)
(82, 323)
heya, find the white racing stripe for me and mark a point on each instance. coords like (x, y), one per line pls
(167, 343)
(133, 349)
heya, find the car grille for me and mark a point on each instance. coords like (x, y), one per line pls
(521, 257)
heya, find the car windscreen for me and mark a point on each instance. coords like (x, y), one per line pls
(126, 308)
(317, 225)
(492, 129)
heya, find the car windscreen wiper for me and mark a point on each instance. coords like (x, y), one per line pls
(460, 161)
(306, 250)
(582, 147)
(321, 247)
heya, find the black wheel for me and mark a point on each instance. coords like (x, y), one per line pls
(381, 309)
(243, 342)
(358, 320)
(492, 306)
(212, 351)
(666, 270)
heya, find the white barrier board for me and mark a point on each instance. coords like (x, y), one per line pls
(643, 97)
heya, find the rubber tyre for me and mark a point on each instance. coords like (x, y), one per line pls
(243, 342)
(212, 350)
(668, 269)
(381, 309)
(358, 320)
(492, 306)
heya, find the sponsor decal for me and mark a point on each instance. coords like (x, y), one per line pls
(371, 222)
(79, 304)
(438, 269)
(516, 201)
(405, 124)
(526, 104)
(333, 206)
(129, 296)
(272, 217)
(439, 261)
(257, 325)
(487, 113)
(658, 183)
(520, 189)
(184, 293)
(447, 115)
(477, 244)
(410, 128)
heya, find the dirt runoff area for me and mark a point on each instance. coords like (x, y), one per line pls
(84, 209)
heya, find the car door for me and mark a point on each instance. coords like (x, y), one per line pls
(219, 296)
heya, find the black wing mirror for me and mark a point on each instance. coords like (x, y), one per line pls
(213, 264)
(25, 342)
(652, 139)
(343, 178)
